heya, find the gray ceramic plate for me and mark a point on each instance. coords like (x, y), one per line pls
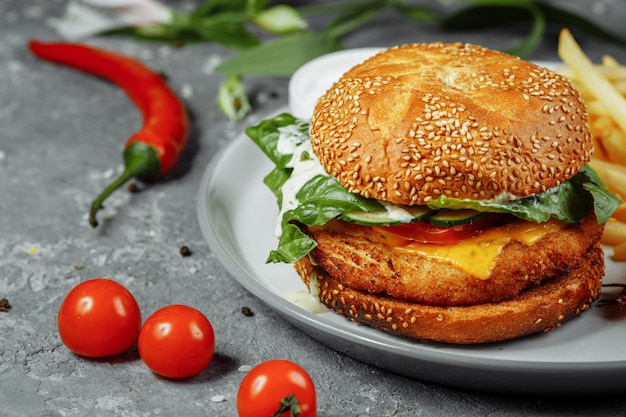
(237, 215)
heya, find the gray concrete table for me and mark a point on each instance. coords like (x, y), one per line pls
(60, 142)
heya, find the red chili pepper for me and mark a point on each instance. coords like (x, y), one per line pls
(155, 149)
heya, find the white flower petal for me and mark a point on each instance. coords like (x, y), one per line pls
(89, 17)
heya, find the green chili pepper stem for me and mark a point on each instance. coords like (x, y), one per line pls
(141, 161)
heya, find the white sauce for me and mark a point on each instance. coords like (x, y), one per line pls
(501, 198)
(291, 141)
(307, 300)
(506, 197)
(397, 213)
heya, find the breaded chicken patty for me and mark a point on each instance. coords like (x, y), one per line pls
(357, 259)
(542, 308)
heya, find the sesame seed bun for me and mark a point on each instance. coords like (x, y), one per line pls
(419, 121)
(539, 309)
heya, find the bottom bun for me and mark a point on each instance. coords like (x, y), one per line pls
(539, 309)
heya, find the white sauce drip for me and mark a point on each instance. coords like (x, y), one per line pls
(291, 141)
(307, 300)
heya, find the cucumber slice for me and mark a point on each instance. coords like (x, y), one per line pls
(419, 212)
(392, 215)
(449, 217)
(372, 218)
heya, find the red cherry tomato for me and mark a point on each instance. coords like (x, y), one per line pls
(275, 384)
(177, 341)
(98, 318)
(428, 233)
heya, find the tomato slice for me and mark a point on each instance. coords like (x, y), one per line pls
(427, 233)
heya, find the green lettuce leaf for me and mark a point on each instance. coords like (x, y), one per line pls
(266, 135)
(569, 202)
(604, 202)
(292, 246)
(322, 198)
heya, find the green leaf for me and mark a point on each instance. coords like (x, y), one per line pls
(212, 7)
(232, 99)
(569, 202)
(480, 17)
(418, 14)
(292, 246)
(604, 202)
(322, 199)
(266, 134)
(564, 203)
(571, 20)
(281, 56)
(275, 181)
(354, 17)
(228, 29)
(338, 8)
(489, 13)
(532, 40)
(497, 13)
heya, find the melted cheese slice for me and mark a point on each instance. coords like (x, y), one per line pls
(477, 255)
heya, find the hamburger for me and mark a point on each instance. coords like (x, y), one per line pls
(441, 192)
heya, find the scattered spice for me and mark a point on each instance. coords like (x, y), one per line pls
(78, 267)
(4, 305)
(133, 187)
(185, 251)
(246, 311)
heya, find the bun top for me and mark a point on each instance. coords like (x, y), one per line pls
(419, 121)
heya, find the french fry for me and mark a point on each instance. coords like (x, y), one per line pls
(586, 74)
(615, 144)
(614, 233)
(609, 61)
(620, 213)
(599, 152)
(603, 88)
(608, 72)
(619, 252)
(620, 86)
(596, 108)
